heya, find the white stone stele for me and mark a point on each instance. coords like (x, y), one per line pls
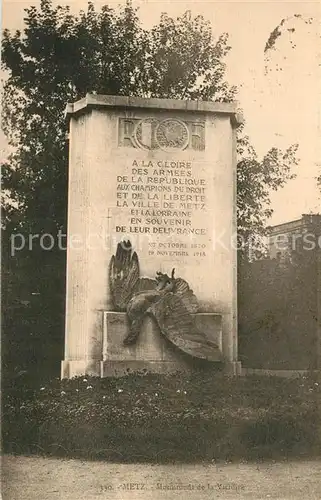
(112, 139)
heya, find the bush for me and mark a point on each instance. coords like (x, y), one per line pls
(159, 418)
(277, 313)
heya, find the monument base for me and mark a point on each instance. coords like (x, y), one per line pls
(233, 368)
(110, 368)
(79, 367)
(152, 352)
(122, 368)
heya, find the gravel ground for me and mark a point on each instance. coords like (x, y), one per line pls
(29, 478)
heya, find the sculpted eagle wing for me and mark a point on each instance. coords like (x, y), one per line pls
(174, 316)
(123, 275)
(186, 295)
(124, 280)
(170, 301)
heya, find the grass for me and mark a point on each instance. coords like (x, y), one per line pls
(159, 418)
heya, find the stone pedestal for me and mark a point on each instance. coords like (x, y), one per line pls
(152, 352)
(161, 173)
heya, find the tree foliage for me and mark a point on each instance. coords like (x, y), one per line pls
(255, 180)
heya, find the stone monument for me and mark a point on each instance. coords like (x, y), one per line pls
(155, 178)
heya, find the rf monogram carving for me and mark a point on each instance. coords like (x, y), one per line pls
(169, 134)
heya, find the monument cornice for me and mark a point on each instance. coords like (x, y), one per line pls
(93, 101)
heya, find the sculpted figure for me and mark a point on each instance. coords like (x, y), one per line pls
(169, 300)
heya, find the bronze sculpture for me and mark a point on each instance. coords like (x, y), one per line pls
(169, 300)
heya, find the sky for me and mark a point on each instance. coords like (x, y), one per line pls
(281, 106)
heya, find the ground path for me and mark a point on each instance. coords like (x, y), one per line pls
(29, 478)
